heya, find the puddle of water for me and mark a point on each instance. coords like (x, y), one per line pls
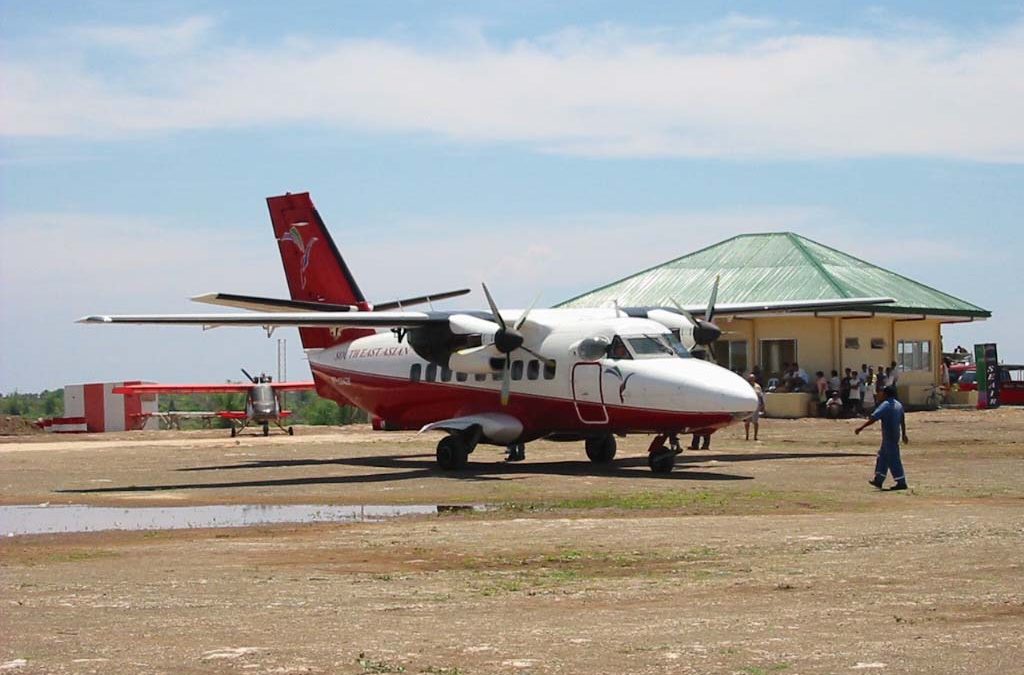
(17, 520)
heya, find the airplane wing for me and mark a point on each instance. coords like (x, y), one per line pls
(226, 388)
(260, 304)
(274, 319)
(232, 415)
(829, 305)
(293, 386)
(497, 427)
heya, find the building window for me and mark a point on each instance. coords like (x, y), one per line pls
(776, 353)
(852, 343)
(533, 369)
(878, 343)
(431, 372)
(914, 355)
(414, 372)
(732, 354)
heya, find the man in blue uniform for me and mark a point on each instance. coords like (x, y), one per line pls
(894, 428)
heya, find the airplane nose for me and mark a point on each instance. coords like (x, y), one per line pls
(738, 397)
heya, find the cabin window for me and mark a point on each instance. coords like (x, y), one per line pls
(549, 369)
(461, 377)
(533, 369)
(446, 374)
(914, 355)
(414, 372)
(431, 372)
(480, 377)
(517, 370)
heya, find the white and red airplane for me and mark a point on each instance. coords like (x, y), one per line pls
(262, 399)
(499, 377)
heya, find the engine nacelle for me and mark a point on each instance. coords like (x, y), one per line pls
(480, 360)
(437, 342)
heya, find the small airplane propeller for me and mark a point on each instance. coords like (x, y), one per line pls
(251, 378)
(705, 331)
(508, 339)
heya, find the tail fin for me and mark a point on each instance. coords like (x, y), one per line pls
(315, 270)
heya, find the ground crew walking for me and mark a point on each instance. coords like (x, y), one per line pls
(894, 428)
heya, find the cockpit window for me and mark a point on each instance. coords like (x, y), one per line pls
(656, 346)
(617, 349)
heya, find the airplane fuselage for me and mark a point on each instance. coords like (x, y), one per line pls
(570, 395)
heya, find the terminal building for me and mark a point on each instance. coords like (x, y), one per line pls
(784, 266)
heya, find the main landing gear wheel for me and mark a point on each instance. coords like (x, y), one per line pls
(291, 431)
(234, 432)
(601, 450)
(266, 429)
(452, 453)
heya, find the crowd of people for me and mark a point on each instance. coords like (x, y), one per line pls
(855, 393)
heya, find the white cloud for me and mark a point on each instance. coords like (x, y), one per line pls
(739, 87)
(150, 40)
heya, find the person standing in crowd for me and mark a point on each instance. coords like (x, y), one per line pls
(894, 428)
(868, 400)
(753, 419)
(844, 388)
(833, 382)
(821, 384)
(854, 395)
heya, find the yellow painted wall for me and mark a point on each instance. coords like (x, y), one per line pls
(819, 344)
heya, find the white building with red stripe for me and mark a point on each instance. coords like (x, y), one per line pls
(94, 407)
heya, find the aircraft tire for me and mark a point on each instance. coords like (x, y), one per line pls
(266, 429)
(234, 431)
(661, 462)
(452, 454)
(291, 431)
(601, 450)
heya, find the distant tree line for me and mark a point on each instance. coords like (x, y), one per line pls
(306, 406)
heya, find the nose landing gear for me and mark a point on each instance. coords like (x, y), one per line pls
(662, 459)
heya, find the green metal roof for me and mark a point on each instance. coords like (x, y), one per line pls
(774, 267)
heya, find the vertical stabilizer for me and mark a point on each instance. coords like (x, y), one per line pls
(315, 270)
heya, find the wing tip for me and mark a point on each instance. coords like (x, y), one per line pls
(95, 318)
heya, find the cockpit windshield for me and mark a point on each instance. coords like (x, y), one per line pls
(647, 347)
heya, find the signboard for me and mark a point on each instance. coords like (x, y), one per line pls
(987, 362)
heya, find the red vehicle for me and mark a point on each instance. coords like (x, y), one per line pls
(1011, 385)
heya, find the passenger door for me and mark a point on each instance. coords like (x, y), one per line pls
(587, 393)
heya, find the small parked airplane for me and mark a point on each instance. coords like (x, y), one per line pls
(577, 374)
(262, 399)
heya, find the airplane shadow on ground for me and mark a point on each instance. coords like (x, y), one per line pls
(417, 467)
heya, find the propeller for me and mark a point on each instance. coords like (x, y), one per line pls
(705, 331)
(507, 339)
(251, 378)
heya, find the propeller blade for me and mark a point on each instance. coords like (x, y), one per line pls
(684, 312)
(522, 319)
(506, 380)
(710, 311)
(251, 378)
(494, 307)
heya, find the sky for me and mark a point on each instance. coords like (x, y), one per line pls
(539, 147)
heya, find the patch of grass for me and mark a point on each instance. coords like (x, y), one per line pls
(80, 556)
(765, 670)
(689, 501)
(374, 666)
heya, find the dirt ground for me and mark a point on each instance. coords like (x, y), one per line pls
(767, 557)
